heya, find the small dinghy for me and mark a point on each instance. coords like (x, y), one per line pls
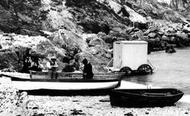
(40, 82)
(145, 97)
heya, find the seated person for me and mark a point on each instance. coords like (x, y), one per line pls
(87, 71)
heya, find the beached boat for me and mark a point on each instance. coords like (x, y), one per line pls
(145, 97)
(41, 81)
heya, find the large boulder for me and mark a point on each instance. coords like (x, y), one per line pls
(9, 60)
(181, 35)
(69, 40)
(139, 35)
(152, 35)
(134, 16)
(13, 40)
(186, 28)
(165, 38)
(13, 49)
(97, 41)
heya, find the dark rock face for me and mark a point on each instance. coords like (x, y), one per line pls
(95, 27)
(9, 59)
(67, 24)
(124, 12)
(8, 21)
(20, 16)
(95, 17)
(141, 25)
(78, 3)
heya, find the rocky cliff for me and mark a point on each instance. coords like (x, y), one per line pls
(86, 28)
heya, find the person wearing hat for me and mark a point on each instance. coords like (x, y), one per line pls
(87, 70)
(52, 66)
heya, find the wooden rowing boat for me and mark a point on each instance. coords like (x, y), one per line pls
(66, 82)
(145, 97)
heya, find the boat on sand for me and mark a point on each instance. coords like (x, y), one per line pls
(145, 97)
(40, 82)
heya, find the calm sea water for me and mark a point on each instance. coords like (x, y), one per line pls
(172, 70)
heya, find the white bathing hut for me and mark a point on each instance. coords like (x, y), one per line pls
(130, 55)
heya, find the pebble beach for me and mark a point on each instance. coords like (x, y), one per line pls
(99, 106)
(14, 103)
(89, 106)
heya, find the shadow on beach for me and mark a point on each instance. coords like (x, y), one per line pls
(42, 92)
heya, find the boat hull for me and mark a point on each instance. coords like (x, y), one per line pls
(65, 85)
(145, 97)
(41, 83)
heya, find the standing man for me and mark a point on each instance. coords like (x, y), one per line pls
(87, 71)
(26, 60)
(52, 66)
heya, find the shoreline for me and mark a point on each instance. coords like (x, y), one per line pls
(31, 105)
(185, 98)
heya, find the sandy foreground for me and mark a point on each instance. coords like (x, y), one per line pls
(99, 106)
(13, 103)
(89, 106)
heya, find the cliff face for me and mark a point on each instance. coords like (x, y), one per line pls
(21, 16)
(29, 17)
(87, 28)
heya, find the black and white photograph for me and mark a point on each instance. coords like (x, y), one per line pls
(94, 57)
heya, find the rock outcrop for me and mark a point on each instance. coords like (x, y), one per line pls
(74, 29)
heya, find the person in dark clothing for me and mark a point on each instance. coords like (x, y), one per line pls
(87, 71)
(26, 60)
(35, 66)
(68, 67)
(26, 65)
(170, 49)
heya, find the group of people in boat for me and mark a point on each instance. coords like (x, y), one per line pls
(87, 69)
(30, 63)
